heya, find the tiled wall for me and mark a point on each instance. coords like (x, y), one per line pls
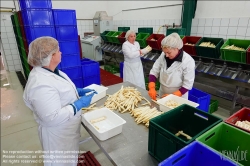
(235, 28)
(10, 50)
(84, 26)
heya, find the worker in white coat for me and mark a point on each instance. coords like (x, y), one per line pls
(55, 102)
(174, 68)
(132, 69)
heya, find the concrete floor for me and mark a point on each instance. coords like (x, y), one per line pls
(19, 129)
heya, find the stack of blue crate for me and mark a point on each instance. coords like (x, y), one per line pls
(37, 18)
(67, 36)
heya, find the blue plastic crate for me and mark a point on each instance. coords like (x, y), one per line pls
(33, 32)
(78, 82)
(70, 61)
(91, 80)
(90, 68)
(28, 4)
(59, 67)
(197, 154)
(121, 69)
(66, 32)
(37, 17)
(73, 72)
(64, 17)
(202, 98)
(69, 47)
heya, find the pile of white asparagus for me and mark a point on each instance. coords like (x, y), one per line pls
(207, 44)
(243, 124)
(125, 100)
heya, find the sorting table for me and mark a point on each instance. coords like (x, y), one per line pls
(131, 146)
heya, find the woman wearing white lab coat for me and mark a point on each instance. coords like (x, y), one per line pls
(132, 69)
(55, 102)
(174, 68)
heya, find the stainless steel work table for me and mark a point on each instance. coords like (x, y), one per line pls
(130, 148)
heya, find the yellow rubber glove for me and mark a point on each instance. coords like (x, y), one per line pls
(152, 92)
(177, 93)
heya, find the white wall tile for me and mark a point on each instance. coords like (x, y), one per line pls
(222, 36)
(241, 31)
(78, 22)
(248, 31)
(202, 22)
(232, 31)
(223, 31)
(13, 46)
(207, 30)
(224, 22)
(4, 35)
(206, 35)
(177, 22)
(5, 41)
(171, 21)
(11, 67)
(199, 34)
(3, 29)
(16, 62)
(214, 35)
(157, 22)
(16, 56)
(194, 30)
(7, 23)
(6, 46)
(140, 22)
(10, 62)
(195, 22)
(240, 37)
(233, 21)
(247, 37)
(8, 58)
(10, 34)
(193, 34)
(209, 22)
(215, 30)
(145, 22)
(162, 22)
(166, 21)
(9, 29)
(216, 21)
(12, 40)
(7, 52)
(17, 68)
(14, 51)
(200, 30)
(230, 36)
(243, 22)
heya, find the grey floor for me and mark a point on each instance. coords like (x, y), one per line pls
(19, 129)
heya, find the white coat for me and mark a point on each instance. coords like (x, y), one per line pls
(48, 96)
(179, 74)
(132, 69)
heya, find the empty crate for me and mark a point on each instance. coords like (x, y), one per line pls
(69, 47)
(145, 30)
(33, 32)
(37, 17)
(66, 32)
(64, 17)
(197, 154)
(180, 31)
(163, 141)
(91, 80)
(228, 140)
(202, 98)
(78, 82)
(31, 4)
(209, 51)
(70, 61)
(154, 41)
(73, 72)
(190, 49)
(141, 39)
(241, 115)
(123, 29)
(235, 55)
(90, 68)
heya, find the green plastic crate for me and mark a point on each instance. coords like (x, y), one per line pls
(141, 38)
(226, 138)
(111, 68)
(235, 55)
(114, 37)
(163, 142)
(180, 31)
(108, 36)
(16, 20)
(103, 36)
(182, 36)
(145, 30)
(123, 29)
(213, 106)
(208, 51)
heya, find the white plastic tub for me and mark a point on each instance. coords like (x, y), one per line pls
(175, 98)
(104, 129)
(101, 90)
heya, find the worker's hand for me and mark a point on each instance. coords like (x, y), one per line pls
(84, 101)
(146, 50)
(152, 92)
(177, 93)
(164, 95)
(82, 92)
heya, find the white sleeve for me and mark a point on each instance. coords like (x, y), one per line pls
(157, 66)
(129, 53)
(45, 101)
(189, 75)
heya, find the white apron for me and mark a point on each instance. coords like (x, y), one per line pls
(49, 96)
(179, 74)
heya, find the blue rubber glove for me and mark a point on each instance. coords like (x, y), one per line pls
(82, 92)
(84, 101)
